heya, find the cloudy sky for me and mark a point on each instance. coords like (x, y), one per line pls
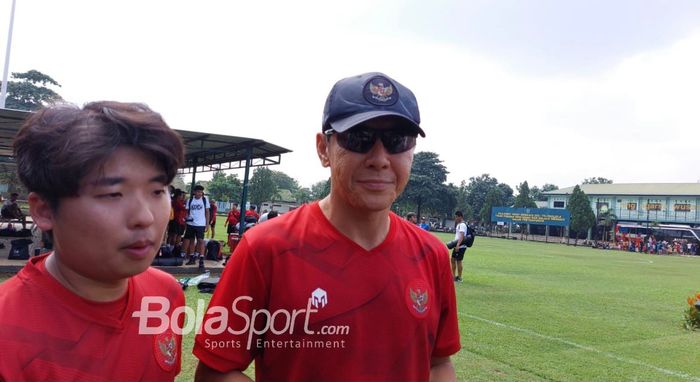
(544, 91)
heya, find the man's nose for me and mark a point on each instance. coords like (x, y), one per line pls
(141, 212)
(377, 156)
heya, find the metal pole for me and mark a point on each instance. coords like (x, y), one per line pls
(647, 216)
(244, 196)
(3, 89)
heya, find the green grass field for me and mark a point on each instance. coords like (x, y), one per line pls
(534, 311)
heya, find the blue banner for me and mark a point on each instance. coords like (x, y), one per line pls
(543, 216)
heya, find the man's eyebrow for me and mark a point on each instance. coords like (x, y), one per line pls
(111, 181)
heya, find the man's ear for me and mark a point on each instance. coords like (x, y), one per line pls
(322, 144)
(42, 213)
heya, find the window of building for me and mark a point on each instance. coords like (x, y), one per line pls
(558, 204)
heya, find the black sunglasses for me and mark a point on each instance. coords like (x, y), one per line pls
(361, 139)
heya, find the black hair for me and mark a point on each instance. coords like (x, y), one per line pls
(58, 146)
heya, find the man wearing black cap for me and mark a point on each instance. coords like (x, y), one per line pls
(341, 289)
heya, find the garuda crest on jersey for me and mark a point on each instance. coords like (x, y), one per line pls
(418, 298)
(165, 350)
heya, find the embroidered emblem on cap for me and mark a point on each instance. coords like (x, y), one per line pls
(380, 91)
(418, 298)
(165, 350)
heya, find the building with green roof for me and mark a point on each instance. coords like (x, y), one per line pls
(663, 203)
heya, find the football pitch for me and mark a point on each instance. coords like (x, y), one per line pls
(535, 311)
(549, 312)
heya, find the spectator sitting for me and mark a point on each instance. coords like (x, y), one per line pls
(10, 210)
(251, 216)
(232, 219)
(411, 217)
(267, 216)
(263, 216)
(424, 225)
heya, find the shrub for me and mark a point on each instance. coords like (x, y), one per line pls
(692, 315)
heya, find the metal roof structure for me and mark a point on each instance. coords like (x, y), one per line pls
(213, 152)
(10, 122)
(638, 189)
(203, 151)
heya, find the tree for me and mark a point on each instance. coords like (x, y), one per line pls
(606, 220)
(598, 180)
(262, 186)
(13, 183)
(426, 188)
(178, 182)
(30, 91)
(582, 216)
(462, 203)
(284, 181)
(523, 200)
(303, 195)
(467, 212)
(449, 201)
(506, 194)
(479, 187)
(538, 193)
(225, 187)
(320, 190)
(493, 199)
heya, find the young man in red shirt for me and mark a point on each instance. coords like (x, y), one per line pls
(341, 289)
(212, 216)
(176, 227)
(97, 180)
(251, 216)
(233, 217)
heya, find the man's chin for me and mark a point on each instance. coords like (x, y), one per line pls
(133, 268)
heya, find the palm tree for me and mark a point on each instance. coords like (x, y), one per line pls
(607, 220)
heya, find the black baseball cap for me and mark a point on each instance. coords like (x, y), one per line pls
(357, 99)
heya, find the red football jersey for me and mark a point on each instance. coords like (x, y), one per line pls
(212, 213)
(307, 303)
(233, 217)
(180, 211)
(47, 333)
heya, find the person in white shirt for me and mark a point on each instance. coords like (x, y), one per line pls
(197, 224)
(461, 247)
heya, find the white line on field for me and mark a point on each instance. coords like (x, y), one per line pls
(674, 373)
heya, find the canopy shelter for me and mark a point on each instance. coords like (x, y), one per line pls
(10, 122)
(204, 152)
(213, 152)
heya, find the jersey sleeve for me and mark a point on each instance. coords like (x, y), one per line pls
(447, 341)
(228, 337)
